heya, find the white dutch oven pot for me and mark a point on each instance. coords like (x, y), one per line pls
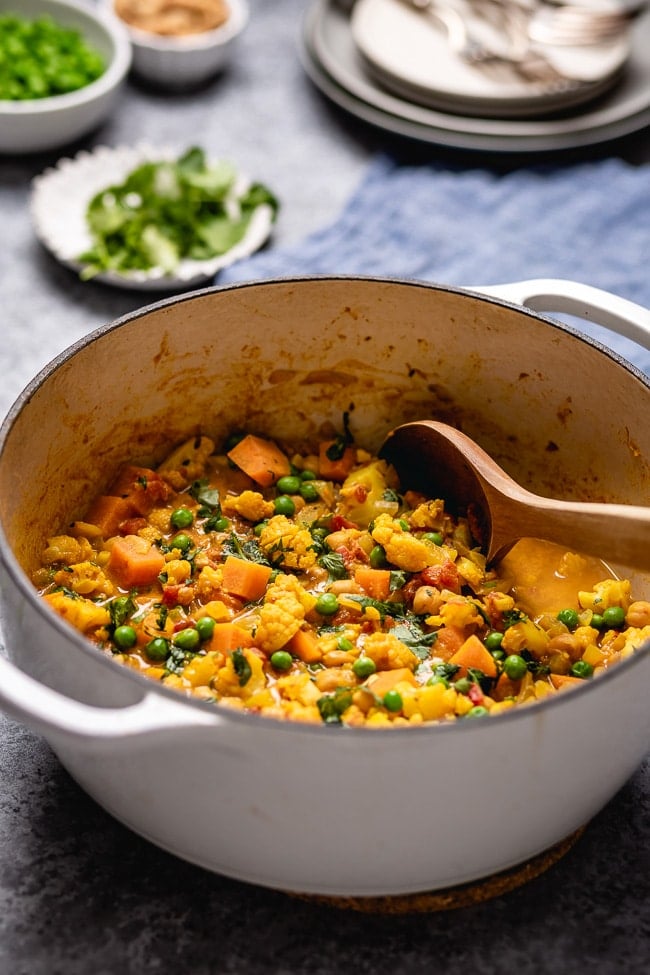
(314, 808)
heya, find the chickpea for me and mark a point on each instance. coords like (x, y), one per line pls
(565, 643)
(638, 613)
(338, 658)
(345, 585)
(329, 680)
(427, 600)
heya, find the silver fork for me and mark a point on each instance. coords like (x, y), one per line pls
(524, 59)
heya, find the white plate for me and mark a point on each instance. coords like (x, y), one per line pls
(60, 196)
(332, 61)
(407, 51)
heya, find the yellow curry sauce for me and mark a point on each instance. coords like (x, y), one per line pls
(303, 584)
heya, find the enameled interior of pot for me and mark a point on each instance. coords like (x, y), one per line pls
(282, 358)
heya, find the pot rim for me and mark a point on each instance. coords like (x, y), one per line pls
(49, 616)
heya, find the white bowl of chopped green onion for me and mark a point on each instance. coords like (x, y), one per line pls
(187, 59)
(62, 66)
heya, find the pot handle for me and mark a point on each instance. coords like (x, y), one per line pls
(593, 304)
(62, 719)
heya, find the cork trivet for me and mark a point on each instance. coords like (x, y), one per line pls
(452, 898)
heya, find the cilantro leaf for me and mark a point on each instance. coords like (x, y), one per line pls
(169, 210)
(332, 706)
(248, 549)
(333, 562)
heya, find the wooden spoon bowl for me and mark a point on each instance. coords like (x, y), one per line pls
(442, 462)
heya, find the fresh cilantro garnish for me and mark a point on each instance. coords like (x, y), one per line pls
(337, 448)
(391, 495)
(535, 667)
(70, 593)
(333, 562)
(478, 677)
(178, 659)
(446, 670)
(169, 210)
(248, 549)
(398, 578)
(208, 497)
(512, 616)
(161, 620)
(384, 609)
(332, 706)
(120, 609)
(242, 667)
(409, 632)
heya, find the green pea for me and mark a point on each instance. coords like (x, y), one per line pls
(435, 537)
(569, 617)
(283, 505)
(205, 627)
(515, 667)
(493, 641)
(377, 557)
(182, 542)
(217, 524)
(344, 644)
(181, 518)
(157, 649)
(404, 524)
(597, 621)
(327, 604)
(392, 701)
(309, 492)
(260, 526)
(614, 617)
(462, 685)
(437, 680)
(124, 637)
(364, 667)
(187, 639)
(289, 484)
(582, 669)
(308, 475)
(478, 711)
(281, 660)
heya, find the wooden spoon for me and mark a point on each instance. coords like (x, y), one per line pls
(444, 463)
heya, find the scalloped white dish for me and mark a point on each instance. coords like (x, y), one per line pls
(61, 194)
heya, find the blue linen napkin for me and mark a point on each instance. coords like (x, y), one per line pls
(588, 222)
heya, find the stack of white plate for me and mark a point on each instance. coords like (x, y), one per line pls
(391, 65)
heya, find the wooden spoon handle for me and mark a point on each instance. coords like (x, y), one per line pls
(616, 533)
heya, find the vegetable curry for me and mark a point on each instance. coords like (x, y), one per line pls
(304, 583)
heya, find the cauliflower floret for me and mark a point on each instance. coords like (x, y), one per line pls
(178, 571)
(187, 462)
(456, 611)
(85, 578)
(83, 614)
(388, 652)
(209, 583)
(249, 504)
(65, 548)
(403, 549)
(610, 592)
(430, 515)
(285, 605)
(287, 544)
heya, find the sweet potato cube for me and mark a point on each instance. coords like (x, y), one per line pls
(245, 579)
(261, 459)
(473, 654)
